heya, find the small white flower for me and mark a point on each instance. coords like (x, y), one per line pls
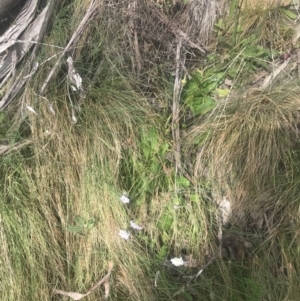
(225, 208)
(177, 261)
(74, 119)
(31, 110)
(74, 77)
(156, 278)
(124, 234)
(124, 199)
(176, 207)
(135, 226)
(51, 108)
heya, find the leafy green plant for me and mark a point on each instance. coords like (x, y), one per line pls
(240, 59)
(82, 226)
(198, 91)
(145, 172)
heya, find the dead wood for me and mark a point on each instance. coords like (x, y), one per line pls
(6, 149)
(91, 12)
(176, 31)
(15, 43)
(176, 107)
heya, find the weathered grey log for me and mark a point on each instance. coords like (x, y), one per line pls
(25, 33)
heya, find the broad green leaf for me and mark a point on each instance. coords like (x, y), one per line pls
(80, 221)
(165, 222)
(90, 226)
(202, 138)
(202, 105)
(91, 221)
(290, 14)
(162, 253)
(194, 198)
(183, 182)
(222, 92)
(74, 229)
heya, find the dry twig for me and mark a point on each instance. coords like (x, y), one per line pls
(176, 31)
(16, 53)
(91, 12)
(78, 296)
(269, 79)
(6, 149)
(176, 108)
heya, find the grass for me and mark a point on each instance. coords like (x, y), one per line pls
(60, 195)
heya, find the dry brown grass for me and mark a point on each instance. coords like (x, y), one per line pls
(263, 4)
(250, 139)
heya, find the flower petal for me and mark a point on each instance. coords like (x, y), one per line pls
(124, 199)
(177, 261)
(124, 234)
(135, 226)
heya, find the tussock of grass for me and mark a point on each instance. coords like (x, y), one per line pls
(248, 147)
(250, 139)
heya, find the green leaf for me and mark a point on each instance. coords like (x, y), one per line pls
(80, 221)
(165, 222)
(90, 226)
(91, 221)
(162, 253)
(222, 92)
(202, 105)
(290, 14)
(164, 147)
(194, 198)
(202, 138)
(74, 229)
(183, 182)
(234, 70)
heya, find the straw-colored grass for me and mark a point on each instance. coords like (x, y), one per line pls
(247, 148)
(250, 139)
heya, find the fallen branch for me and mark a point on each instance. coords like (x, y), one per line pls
(6, 149)
(298, 63)
(78, 296)
(176, 31)
(20, 24)
(15, 54)
(176, 108)
(269, 79)
(92, 10)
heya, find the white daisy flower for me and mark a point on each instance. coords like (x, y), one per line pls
(124, 199)
(124, 234)
(135, 226)
(177, 261)
(31, 109)
(74, 77)
(176, 207)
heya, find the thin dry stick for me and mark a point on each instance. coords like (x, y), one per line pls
(89, 14)
(38, 43)
(298, 63)
(22, 22)
(268, 81)
(176, 109)
(296, 35)
(78, 296)
(136, 42)
(176, 31)
(137, 52)
(206, 265)
(6, 149)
